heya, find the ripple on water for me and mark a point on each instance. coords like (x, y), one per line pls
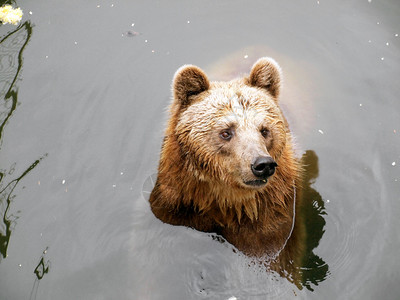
(356, 225)
(239, 276)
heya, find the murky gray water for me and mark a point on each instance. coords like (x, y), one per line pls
(84, 86)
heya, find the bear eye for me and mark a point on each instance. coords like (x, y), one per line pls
(226, 135)
(265, 132)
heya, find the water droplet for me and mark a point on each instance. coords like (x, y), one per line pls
(63, 182)
(396, 35)
(382, 58)
(327, 201)
(387, 44)
(246, 56)
(320, 131)
(133, 24)
(114, 185)
(188, 22)
(393, 163)
(31, 13)
(145, 41)
(360, 104)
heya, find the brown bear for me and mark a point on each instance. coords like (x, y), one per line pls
(227, 161)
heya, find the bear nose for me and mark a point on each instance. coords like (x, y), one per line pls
(264, 166)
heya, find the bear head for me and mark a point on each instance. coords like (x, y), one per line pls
(231, 132)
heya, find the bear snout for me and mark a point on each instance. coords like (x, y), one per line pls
(264, 166)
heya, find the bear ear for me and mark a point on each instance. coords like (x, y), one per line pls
(266, 74)
(188, 81)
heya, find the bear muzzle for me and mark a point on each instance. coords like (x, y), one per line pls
(263, 167)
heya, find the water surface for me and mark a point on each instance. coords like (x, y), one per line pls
(84, 88)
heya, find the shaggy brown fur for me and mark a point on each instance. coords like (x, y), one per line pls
(202, 178)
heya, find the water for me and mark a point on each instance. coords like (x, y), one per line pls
(84, 87)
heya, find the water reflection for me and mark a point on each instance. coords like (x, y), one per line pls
(11, 59)
(41, 269)
(297, 261)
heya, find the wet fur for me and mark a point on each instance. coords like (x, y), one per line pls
(198, 182)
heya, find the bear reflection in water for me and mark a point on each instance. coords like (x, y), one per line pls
(297, 261)
(228, 166)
